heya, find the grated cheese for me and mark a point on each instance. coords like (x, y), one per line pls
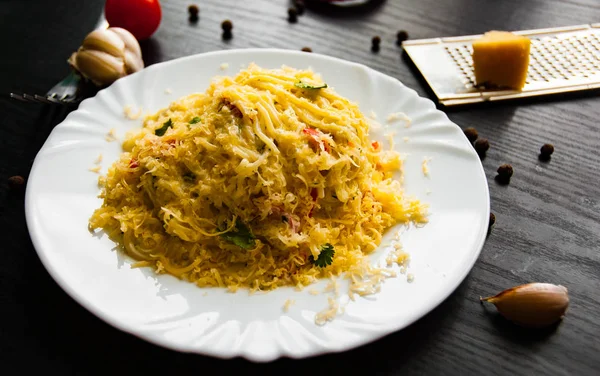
(288, 303)
(329, 313)
(425, 166)
(95, 169)
(111, 135)
(410, 278)
(395, 116)
(313, 292)
(129, 113)
(99, 159)
(224, 66)
(168, 91)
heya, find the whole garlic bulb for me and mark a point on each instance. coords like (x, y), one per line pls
(107, 55)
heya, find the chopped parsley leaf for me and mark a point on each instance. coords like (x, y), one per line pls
(325, 257)
(303, 85)
(162, 130)
(195, 120)
(240, 236)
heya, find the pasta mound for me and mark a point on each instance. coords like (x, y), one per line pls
(247, 184)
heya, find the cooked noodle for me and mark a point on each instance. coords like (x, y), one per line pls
(244, 185)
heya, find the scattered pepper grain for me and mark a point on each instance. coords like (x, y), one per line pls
(482, 145)
(306, 49)
(471, 134)
(375, 43)
(193, 10)
(505, 171)
(227, 25)
(401, 36)
(16, 182)
(546, 151)
(292, 15)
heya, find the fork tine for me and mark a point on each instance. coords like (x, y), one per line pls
(18, 97)
(43, 99)
(30, 98)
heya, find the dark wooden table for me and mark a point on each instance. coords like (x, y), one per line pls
(548, 218)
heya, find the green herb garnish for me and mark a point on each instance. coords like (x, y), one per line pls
(240, 236)
(162, 130)
(303, 85)
(325, 257)
(195, 120)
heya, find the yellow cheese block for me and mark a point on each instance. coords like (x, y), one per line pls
(501, 59)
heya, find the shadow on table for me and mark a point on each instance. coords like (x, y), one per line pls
(520, 335)
(151, 52)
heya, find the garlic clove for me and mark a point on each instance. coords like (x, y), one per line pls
(532, 305)
(105, 40)
(100, 67)
(133, 62)
(131, 43)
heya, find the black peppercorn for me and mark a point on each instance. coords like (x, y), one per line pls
(491, 223)
(226, 25)
(401, 36)
(546, 151)
(292, 15)
(16, 182)
(193, 10)
(375, 42)
(481, 146)
(300, 7)
(471, 134)
(306, 49)
(505, 172)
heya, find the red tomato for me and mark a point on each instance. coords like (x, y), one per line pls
(140, 17)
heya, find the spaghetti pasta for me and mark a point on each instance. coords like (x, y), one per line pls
(245, 185)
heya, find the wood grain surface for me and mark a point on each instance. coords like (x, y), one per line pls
(548, 217)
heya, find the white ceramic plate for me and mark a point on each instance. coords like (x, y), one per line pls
(62, 194)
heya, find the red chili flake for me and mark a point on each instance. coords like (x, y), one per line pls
(375, 145)
(314, 193)
(316, 139)
(133, 163)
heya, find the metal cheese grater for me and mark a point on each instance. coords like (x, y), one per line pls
(561, 60)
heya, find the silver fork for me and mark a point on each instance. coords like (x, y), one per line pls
(67, 91)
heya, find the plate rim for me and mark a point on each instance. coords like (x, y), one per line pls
(432, 304)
